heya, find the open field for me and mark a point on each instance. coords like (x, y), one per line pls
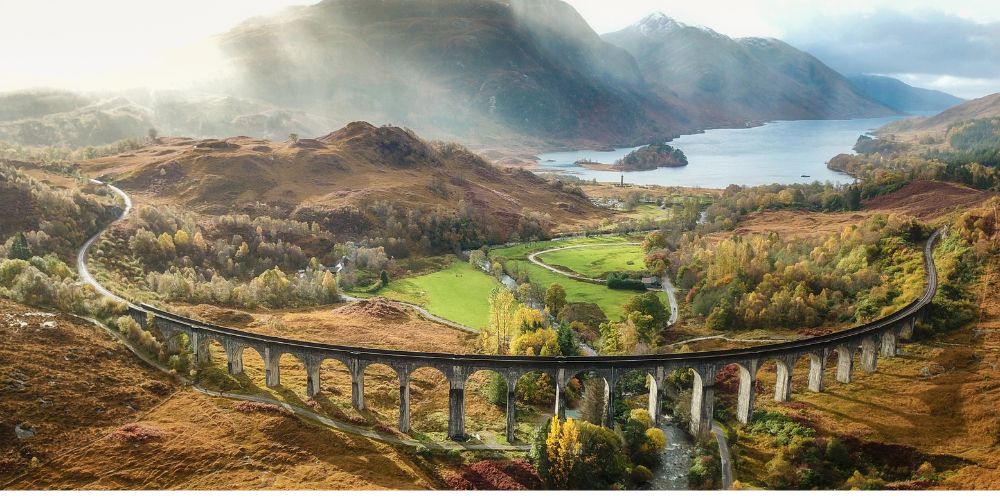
(610, 301)
(597, 261)
(75, 388)
(457, 293)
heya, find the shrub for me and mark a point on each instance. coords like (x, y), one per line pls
(136, 433)
(641, 474)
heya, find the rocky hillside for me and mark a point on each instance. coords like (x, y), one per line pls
(729, 81)
(350, 181)
(479, 70)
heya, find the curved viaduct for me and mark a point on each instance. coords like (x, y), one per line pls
(878, 338)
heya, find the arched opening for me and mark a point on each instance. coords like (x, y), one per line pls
(801, 369)
(676, 394)
(293, 380)
(592, 402)
(736, 391)
(213, 369)
(334, 396)
(254, 372)
(429, 391)
(486, 406)
(535, 400)
(381, 396)
(776, 378)
(632, 393)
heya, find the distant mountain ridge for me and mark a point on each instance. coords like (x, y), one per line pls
(730, 81)
(481, 68)
(904, 98)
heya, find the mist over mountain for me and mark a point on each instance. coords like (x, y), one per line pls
(730, 81)
(902, 97)
(476, 69)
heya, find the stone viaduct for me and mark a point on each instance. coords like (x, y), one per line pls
(875, 339)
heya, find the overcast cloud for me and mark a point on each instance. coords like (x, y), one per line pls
(114, 44)
(931, 49)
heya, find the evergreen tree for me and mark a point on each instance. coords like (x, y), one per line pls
(567, 342)
(20, 249)
(592, 405)
(384, 277)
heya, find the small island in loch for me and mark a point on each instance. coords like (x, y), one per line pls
(651, 157)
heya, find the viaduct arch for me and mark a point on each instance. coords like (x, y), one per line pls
(874, 339)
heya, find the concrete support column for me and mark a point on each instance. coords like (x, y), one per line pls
(747, 395)
(234, 358)
(654, 399)
(201, 354)
(702, 403)
(869, 355)
(456, 412)
(357, 384)
(783, 381)
(907, 328)
(560, 409)
(272, 370)
(609, 403)
(511, 414)
(404, 402)
(817, 367)
(845, 364)
(313, 377)
(889, 342)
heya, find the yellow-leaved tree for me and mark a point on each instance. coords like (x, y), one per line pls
(563, 449)
(503, 323)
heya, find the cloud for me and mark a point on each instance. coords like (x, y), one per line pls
(932, 44)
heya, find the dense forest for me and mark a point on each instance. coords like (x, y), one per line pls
(765, 280)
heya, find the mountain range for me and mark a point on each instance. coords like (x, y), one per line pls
(728, 81)
(530, 74)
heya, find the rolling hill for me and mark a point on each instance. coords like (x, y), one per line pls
(975, 109)
(726, 81)
(344, 181)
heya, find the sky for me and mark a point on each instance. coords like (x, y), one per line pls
(113, 44)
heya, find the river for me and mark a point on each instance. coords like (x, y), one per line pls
(777, 152)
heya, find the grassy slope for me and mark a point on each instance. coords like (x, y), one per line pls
(596, 262)
(457, 293)
(74, 386)
(610, 301)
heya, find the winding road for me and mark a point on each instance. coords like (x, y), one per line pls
(668, 286)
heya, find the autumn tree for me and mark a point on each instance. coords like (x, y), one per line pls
(555, 298)
(563, 450)
(503, 323)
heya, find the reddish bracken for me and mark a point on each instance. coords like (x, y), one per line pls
(136, 433)
(496, 475)
(255, 407)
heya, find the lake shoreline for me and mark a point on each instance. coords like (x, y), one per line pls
(780, 152)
